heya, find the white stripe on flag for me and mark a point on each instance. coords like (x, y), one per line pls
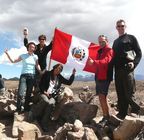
(82, 47)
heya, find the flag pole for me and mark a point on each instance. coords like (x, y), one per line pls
(50, 56)
(49, 64)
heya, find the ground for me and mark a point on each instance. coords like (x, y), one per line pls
(77, 87)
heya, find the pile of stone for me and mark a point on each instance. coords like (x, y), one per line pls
(78, 120)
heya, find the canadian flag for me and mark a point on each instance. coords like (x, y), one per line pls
(73, 51)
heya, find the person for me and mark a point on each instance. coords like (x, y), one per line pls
(41, 51)
(2, 85)
(29, 61)
(127, 57)
(50, 85)
(102, 75)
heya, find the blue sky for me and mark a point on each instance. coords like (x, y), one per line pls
(85, 19)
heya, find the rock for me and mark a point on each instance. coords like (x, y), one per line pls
(61, 133)
(77, 125)
(128, 129)
(27, 131)
(89, 134)
(78, 110)
(140, 135)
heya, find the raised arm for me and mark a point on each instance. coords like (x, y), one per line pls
(70, 80)
(25, 33)
(12, 61)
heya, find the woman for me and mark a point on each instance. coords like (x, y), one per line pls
(49, 86)
(29, 62)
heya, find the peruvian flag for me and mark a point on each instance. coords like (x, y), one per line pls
(73, 51)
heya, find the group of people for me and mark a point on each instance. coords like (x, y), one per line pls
(123, 58)
(35, 76)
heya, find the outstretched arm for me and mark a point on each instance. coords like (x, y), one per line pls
(12, 61)
(70, 80)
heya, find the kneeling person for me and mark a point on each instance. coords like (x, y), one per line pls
(50, 85)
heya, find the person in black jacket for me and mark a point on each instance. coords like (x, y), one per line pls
(41, 51)
(127, 56)
(50, 85)
(2, 85)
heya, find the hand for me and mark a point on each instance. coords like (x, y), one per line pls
(6, 51)
(74, 71)
(90, 61)
(131, 65)
(42, 71)
(46, 93)
(25, 32)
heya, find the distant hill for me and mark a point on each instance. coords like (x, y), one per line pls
(84, 77)
(91, 77)
(12, 79)
(139, 77)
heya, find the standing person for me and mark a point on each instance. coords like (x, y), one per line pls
(127, 57)
(102, 75)
(2, 85)
(41, 51)
(29, 61)
(50, 84)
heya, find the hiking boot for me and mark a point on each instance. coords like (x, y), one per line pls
(103, 122)
(119, 116)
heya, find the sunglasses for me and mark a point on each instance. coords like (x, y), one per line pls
(41, 39)
(120, 26)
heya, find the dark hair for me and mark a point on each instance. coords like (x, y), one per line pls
(0, 76)
(42, 36)
(120, 21)
(30, 43)
(103, 36)
(58, 65)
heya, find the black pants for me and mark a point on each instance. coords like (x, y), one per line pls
(125, 88)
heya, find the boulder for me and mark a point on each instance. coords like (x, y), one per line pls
(78, 110)
(128, 129)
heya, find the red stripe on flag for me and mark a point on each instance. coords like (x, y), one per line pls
(93, 52)
(61, 45)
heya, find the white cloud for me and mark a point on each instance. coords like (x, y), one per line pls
(85, 19)
(14, 53)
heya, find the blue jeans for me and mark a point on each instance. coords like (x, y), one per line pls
(26, 83)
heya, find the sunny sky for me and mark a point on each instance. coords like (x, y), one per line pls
(85, 19)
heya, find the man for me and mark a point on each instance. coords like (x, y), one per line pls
(102, 77)
(41, 51)
(127, 57)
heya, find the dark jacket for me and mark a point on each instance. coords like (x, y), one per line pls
(42, 54)
(45, 80)
(122, 45)
(2, 83)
